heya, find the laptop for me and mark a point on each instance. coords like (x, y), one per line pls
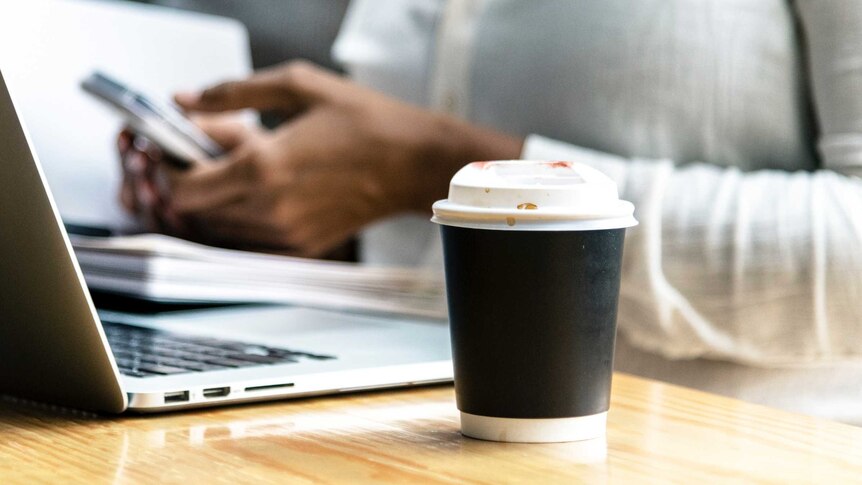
(57, 347)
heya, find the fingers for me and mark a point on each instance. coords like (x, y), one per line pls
(139, 194)
(229, 133)
(290, 88)
(124, 141)
(150, 150)
(166, 199)
(303, 230)
(139, 191)
(212, 186)
(127, 194)
(269, 224)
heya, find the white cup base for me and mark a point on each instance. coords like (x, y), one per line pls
(533, 430)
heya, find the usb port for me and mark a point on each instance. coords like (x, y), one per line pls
(177, 396)
(216, 392)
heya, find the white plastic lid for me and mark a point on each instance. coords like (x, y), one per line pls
(532, 195)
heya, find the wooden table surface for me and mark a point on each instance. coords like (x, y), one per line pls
(656, 433)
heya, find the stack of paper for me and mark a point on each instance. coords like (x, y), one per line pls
(163, 268)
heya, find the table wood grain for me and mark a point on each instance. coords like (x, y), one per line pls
(657, 433)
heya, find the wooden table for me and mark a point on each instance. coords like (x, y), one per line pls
(656, 433)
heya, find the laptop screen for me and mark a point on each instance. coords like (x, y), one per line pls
(48, 46)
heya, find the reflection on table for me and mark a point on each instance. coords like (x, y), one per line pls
(655, 430)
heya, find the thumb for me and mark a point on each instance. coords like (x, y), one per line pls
(290, 88)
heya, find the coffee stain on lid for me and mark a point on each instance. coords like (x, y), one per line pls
(559, 164)
(510, 221)
(487, 190)
(527, 206)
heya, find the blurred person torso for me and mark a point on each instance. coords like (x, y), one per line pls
(716, 81)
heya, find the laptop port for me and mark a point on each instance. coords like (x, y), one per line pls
(269, 387)
(216, 392)
(176, 396)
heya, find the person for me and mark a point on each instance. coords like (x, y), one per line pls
(734, 127)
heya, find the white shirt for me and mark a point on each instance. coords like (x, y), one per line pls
(745, 274)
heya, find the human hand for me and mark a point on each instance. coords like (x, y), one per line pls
(144, 181)
(347, 156)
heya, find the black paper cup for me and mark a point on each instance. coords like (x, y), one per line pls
(533, 322)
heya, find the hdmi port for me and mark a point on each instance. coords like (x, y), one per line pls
(216, 392)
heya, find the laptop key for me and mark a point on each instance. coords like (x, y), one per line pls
(123, 354)
(145, 352)
(128, 363)
(163, 369)
(265, 351)
(135, 373)
(189, 356)
(202, 367)
(319, 357)
(219, 352)
(228, 362)
(262, 359)
(285, 353)
(187, 364)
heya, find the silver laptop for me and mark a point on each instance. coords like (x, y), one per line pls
(57, 347)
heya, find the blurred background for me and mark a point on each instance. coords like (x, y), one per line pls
(278, 29)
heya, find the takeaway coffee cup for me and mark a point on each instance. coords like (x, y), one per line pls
(532, 253)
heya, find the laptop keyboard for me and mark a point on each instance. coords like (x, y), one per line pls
(146, 352)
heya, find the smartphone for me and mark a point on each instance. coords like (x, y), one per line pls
(163, 123)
